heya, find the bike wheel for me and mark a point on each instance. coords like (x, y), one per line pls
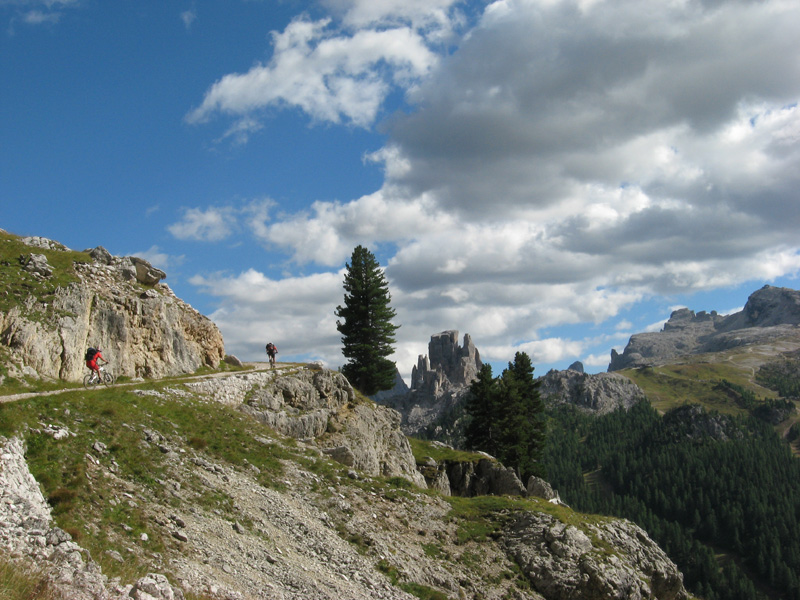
(108, 379)
(87, 381)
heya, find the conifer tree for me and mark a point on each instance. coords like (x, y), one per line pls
(522, 426)
(366, 325)
(506, 417)
(481, 431)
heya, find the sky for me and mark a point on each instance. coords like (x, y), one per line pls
(549, 176)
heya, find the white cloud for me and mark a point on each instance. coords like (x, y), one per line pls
(188, 17)
(328, 233)
(37, 17)
(329, 76)
(296, 313)
(39, 12)
(217, 223)
(566, 161)
(210, 225)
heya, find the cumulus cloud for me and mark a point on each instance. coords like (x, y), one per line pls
(564, 162)
(210, 225)
(296, 313)
(328, 232)
(159, 259)
(329, 76)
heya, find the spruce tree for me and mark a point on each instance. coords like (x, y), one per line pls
(507, 417)
(522, 424)
(366, 325)
(482, 429)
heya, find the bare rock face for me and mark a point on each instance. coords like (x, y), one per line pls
(769, 314)
(484, 478)
(599, 393)
(321, 405)
(447, 365)
(564, 562)
(438, 382)
(119, 305)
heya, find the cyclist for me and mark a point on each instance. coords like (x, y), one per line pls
(272, 350)
(92, 356)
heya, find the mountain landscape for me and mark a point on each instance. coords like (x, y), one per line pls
(197, 476)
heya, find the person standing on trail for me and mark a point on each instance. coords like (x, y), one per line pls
(272, 350)
(92, 356)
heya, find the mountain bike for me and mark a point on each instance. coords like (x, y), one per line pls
(92, 378)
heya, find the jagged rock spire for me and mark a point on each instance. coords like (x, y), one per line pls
(447, 364)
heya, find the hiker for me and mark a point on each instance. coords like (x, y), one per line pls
(92, 356)
(272, 350)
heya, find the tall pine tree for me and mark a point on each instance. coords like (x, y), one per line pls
(366, 325)
(522, 422)
(506, 417)
(482, 428)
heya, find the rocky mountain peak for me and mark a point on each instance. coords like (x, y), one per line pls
(769, 314)
(768, 307)
(447, 364)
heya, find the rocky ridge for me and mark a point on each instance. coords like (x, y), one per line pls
(344, 534)
(770, 314)
(599, 393)
(438, 381)
(120, 304)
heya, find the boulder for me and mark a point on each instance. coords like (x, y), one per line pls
(36, 264)
(539, 488)
(233, 360)
(100, 255)
(146, 273)
(613, 559)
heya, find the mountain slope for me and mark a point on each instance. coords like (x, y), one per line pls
(169, 479)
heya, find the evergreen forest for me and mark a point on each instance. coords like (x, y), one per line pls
(720, 494)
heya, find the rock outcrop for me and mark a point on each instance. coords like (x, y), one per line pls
(770, 313)
(321, 405)
(598, 393)
(564, 562)
(484, 477)
(438, 383)
(447, 366)
(118, 304)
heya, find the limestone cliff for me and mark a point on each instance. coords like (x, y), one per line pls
(438, 383)
(771, 314)
(598, 393)
(61, 302)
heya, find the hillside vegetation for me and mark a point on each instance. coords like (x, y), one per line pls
(161, 478)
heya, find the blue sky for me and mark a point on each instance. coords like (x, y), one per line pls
(549, 176)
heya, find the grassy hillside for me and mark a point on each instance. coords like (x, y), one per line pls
(126, 463)
(122, 467)
(696, 380)
(18, 285)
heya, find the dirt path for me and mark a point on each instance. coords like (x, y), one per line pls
(252, 367)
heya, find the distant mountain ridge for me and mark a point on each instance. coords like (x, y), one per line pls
(770, 314)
